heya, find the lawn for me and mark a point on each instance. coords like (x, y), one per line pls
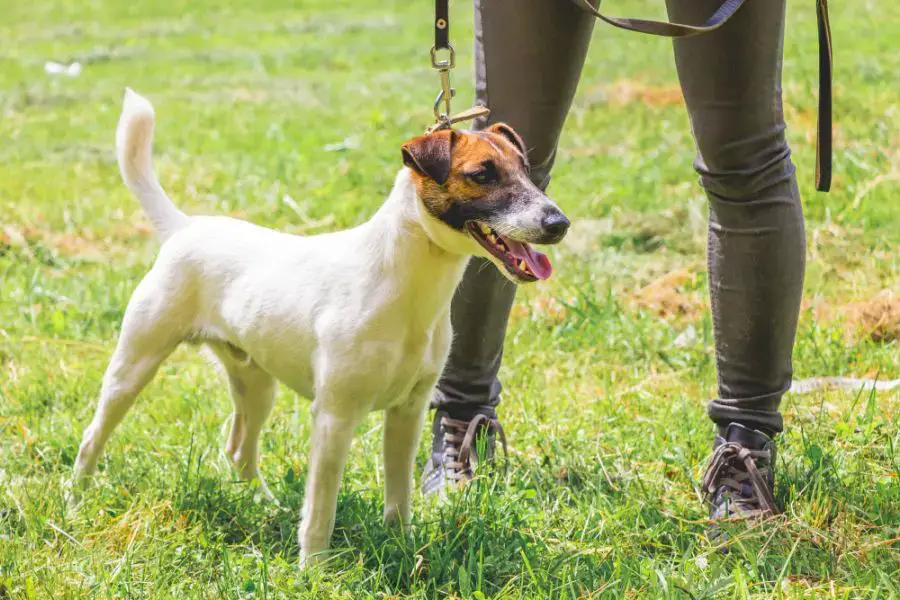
(292, 117)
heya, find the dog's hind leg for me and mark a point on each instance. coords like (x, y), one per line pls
(150, 332)
(253, 394)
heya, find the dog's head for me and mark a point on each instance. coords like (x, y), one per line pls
(474, 188)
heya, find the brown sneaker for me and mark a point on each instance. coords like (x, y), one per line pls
(453, 449)
(740, 477)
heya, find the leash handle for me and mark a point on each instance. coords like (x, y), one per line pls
(824, 122)
(727, 10)
(442, 24)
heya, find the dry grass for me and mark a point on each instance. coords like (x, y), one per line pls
(629, 91)
(27, 241)
(541, 308)
(877, 318)
(672, 296)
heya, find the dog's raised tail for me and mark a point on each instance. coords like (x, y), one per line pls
(134, 149)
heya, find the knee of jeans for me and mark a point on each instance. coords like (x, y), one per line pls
(744, 169)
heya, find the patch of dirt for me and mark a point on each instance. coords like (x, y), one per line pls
(672, 295)
(877, 318)
(806, 121)
(628, 91)
(541, 308)
(35, 243)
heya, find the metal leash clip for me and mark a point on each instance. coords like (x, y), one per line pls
(444, 119)
(447, 93)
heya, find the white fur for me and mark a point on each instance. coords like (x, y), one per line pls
(357, 320)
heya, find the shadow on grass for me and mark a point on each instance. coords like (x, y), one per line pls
(479, 540)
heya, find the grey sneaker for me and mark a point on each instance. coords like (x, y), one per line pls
(453, 449)
(740, 477)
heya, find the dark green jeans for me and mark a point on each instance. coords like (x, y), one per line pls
(529, 57)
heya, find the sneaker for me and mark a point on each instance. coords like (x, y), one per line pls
(740, 477)
(453, 449)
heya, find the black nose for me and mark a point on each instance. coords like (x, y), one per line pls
(555, 224)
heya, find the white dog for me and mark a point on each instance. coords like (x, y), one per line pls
(356, 320)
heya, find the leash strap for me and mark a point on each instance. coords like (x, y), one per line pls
(664, 28)
(442, 24)
(444, 119)
(719, 18)
(823, 122)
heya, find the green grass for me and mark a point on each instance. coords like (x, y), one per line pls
(605, 413)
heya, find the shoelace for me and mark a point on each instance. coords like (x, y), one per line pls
(460, 435)
(722, 470)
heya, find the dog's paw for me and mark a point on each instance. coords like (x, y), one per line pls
(394, 517)
(262, 493)
(72, 490)
(309, 560)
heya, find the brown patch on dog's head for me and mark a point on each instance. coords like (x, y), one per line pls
(463, 176)
(475, 191)
(430, 155)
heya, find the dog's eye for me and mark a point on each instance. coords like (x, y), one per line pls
(485, 175)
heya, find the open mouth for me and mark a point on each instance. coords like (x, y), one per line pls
(520, 260)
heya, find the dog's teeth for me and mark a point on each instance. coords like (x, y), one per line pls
(485, 229)
(523, 265)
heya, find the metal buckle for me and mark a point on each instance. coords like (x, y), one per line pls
(443, 64)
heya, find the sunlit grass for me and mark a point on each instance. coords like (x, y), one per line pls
(292, 117)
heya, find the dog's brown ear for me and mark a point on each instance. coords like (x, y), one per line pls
(430, 154)
(510, 134)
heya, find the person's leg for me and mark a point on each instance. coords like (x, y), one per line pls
(731, 79)
(529, 55)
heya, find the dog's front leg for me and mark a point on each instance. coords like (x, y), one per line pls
(402, 430)
(330, 443)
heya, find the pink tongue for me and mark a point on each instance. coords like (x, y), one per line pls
(536, 261)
